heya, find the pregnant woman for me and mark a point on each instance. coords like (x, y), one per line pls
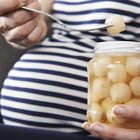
(47, 87)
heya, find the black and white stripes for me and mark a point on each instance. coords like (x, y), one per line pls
(47, 87)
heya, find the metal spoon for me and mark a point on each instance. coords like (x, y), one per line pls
(64, 25)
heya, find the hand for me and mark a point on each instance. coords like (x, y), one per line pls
(21, 28)
(113, 133)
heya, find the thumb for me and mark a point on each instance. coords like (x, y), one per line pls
(127, 111)
(11, 5)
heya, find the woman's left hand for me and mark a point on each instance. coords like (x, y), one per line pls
(113, 133)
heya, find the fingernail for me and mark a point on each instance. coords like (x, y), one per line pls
(119, 111)
(86, 126)
(97, 128)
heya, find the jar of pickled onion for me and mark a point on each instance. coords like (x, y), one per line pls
(113, 79)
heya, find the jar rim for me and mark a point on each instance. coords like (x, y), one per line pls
(118, 47)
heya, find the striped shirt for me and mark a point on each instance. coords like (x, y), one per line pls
(47, 87)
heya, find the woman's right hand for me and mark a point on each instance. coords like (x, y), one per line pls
(21, 28)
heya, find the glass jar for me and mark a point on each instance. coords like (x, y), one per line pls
(113, 79)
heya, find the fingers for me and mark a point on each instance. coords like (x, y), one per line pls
(127, 111)
(14, 20)
(17, 46)
(23, 28)
(86, 126)
(113, 133)
(108, 132)
(11, 5)
(17, 18)
(34, 37)
(22, 31)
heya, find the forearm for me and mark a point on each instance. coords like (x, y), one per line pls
(46, 6)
